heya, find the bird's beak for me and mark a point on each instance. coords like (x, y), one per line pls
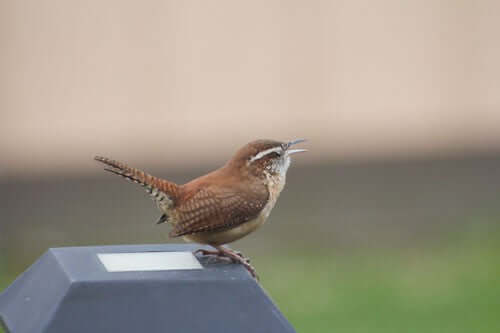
(294, 151)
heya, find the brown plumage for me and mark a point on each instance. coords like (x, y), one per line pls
(224, 205)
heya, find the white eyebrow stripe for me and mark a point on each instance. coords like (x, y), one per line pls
(264, 153)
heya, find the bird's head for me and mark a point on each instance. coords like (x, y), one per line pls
(263, 157)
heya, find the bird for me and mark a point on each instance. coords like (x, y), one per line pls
(224, 205)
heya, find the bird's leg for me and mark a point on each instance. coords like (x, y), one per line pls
(237, 257)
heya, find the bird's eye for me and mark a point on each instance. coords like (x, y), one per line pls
(275, 155)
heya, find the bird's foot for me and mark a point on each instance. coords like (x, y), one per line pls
(204, 252)
(216, 253)
(238, 253)
(237, 257)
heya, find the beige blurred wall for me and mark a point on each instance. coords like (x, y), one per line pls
(176, 82)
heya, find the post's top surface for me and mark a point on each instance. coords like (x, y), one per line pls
(151, 261)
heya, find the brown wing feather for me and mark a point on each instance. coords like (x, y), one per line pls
(210, 210)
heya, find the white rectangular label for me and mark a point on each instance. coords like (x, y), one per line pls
(148, 261)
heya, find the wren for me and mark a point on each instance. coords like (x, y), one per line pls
(223, 205)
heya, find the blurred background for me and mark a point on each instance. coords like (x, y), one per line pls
(390, 223)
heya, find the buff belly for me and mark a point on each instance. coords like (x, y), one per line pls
(226, 236)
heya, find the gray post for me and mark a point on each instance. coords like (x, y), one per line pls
(136, 288)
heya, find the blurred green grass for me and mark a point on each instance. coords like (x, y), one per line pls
(452, 287)
(443, 292)
(448, 286)
(5, 280)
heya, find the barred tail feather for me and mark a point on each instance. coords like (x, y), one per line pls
(160, 189)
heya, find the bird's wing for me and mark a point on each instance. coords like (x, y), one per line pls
(214, 210)
(161, 190)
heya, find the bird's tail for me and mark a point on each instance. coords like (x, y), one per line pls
(162, 191)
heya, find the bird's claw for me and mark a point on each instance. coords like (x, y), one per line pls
(242, 256)
(212, 254)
